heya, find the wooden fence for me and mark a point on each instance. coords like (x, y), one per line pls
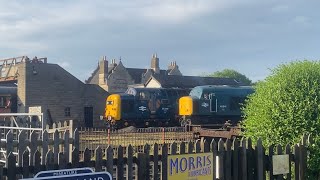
(237, 160)
(91, 138)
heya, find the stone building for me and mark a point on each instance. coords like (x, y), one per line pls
(116, 78)
(56, 92)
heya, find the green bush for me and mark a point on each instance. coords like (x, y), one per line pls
(285, 106)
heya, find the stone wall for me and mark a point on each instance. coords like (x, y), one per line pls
(54, 89)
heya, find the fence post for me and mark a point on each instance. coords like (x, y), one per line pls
(243, 156)
(164, 162)
(288, 151)
(221, 159)
(11, 164)
(98, 159)
(142, 165)
(120, 162)
(155, 161)
(21, 145)
(163, 136)
(228, 165)
(45, 144)
(235, 159)
(109, 136)
(213, 146)
(129, 162)
(37, 162)
(270, 162)
(25, 164)
(109, 154)
(260, 160)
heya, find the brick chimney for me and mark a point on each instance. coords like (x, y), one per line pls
(155, 64)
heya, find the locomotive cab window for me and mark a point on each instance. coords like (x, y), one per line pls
(109, 102)
(144, 95)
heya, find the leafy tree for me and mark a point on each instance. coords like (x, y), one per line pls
(285, 106)
(230, 73)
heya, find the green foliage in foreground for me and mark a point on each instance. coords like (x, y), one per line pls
(230, 73)
(285, 106)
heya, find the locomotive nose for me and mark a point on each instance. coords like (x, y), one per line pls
(185, 106)
(113, 107)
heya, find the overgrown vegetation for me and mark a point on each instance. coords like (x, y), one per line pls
(230, 73)
(285, 106)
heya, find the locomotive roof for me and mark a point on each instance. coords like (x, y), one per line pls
(223, 87)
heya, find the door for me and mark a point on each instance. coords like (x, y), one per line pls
(88, 116)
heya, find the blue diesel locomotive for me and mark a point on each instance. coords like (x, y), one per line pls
(213, 105)
(144, 107)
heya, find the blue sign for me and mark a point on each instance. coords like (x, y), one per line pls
(63, 172)
(86, 176)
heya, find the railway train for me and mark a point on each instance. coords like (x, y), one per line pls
(213, 105)
(144, 107)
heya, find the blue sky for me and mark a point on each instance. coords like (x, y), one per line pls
(202, 36)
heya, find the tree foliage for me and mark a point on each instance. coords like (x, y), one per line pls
(230, 73)
(285, 106)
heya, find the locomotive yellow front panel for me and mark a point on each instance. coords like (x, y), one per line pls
(185, 106)
(113, 107)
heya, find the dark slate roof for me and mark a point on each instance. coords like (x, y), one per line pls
(171, 81)
(137, 73)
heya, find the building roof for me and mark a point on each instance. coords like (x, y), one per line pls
(137, 73)
(174, 81)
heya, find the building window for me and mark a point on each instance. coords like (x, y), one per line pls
(67, 111)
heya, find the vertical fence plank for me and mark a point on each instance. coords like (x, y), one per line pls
(33, 145)
(142, 162)
(260, 160)
(66, 150)
(129, 162)
(190, 147)
(9, 142)
(98, 159)
(235, 159)
(49, 160)
(279, 152)
(243, 156)
(76, 139)
(37, 162)
(1, 172)
(56, 146)
(156, 161)
(250, 160)
(45, 144)
(25, 164)
(86, 157)
(21, 145)
(164, 163)
(173, 148)
(197, 146)
(213, 146)
(221, 159)
(227, 160)
(296, 161)
(109, 154)
(120, 163)
(75, 158)
(270, 162)
(303, 160)
(288, 151)
(146, 151)
(11, 164)
(62, 161)
(182, 148)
